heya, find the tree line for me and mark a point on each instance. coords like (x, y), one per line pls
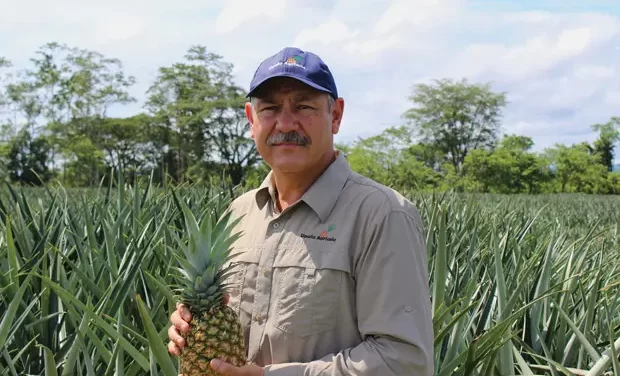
(54, 127)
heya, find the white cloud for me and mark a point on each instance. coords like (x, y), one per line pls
(117, 26)
(238, 12)
(374, 46)
(593, 71)
(559, 69)
(612, 98)
(418, 14)
(535, 55)
(331, 31)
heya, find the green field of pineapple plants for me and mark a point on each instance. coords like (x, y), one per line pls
(521, 285)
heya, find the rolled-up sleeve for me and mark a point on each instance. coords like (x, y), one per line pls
(393, 307)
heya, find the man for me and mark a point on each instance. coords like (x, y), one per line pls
(332, 278)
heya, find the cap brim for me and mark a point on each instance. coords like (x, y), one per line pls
(304, 80)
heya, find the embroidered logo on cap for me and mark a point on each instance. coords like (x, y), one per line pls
(296, 61)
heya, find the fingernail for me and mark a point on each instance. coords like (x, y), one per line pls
(215, 363)
(186, 316)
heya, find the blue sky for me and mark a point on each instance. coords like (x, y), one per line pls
(556, 60)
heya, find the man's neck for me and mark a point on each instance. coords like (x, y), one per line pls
(291, 186)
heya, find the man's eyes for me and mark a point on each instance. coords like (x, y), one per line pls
(299, 106)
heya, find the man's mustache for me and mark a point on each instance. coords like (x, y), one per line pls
(289, 138)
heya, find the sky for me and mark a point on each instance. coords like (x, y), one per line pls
(557, 61)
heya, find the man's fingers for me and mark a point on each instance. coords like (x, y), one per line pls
(183, 312)
(224, 368)
(175, 337)
(226, 298)
(173, 349)
(178, 322)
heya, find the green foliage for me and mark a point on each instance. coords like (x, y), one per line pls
(577, 170)
(27, 159)
(520, 284)
(60, 96)
(199, 113)
(4, 63)
(609, 134)
(458, 148)
(194, 127)
(388, 158)
(54, 123)
(510, 168)
(456, 117)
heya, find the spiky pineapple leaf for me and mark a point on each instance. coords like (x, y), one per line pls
(155, 343)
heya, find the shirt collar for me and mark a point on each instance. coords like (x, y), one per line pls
(265, 191)
(322, 194)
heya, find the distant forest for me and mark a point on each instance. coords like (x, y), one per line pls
(54, 128)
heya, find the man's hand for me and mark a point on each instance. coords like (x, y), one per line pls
(180, 323)
(229, 370)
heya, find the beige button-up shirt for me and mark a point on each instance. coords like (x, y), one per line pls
(336, 284)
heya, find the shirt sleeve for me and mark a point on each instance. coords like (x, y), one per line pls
(393, 305)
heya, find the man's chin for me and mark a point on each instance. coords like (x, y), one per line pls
(289, 164)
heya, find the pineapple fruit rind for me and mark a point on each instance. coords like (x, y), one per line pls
(215, 329)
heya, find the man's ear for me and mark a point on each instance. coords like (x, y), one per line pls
(249, 114)
(337, 112)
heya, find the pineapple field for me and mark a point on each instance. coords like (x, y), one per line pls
(520, 284)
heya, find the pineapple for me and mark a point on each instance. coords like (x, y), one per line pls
(215, 330)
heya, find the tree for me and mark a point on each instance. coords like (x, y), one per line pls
(4, 100)
(27, 159)
(4, 156)
(576, 169)
(123, 143)
(61, 94)
(378, 156)
(510, 168)
(199, 113)
(609, 134)
(235, 148)
(388, 158)
(5, 126)
(77, 83)
(428, 154)
(456, 117)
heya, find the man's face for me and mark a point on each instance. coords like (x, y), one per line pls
(292, 124)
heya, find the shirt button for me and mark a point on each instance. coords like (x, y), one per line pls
(258, 317)
(265, 272)
(276, 225)
(408, 309)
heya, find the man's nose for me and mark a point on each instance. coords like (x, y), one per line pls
(286, 120)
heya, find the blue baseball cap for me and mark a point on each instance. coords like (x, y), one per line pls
(304, 66)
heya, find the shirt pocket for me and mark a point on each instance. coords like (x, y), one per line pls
(241, 282)
(308, 287)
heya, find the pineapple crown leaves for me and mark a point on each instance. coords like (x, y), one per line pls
(208, 245)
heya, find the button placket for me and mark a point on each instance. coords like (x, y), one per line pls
(263, 291)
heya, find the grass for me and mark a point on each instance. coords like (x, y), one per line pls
(521, 285)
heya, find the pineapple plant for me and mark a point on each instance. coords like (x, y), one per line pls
(215, 330)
